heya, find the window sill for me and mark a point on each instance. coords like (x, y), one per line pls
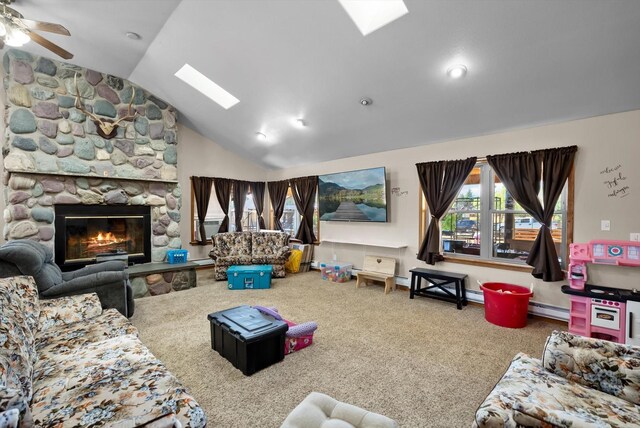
(488, 263)
(207, 242)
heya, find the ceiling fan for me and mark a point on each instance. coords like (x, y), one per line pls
(15, 30)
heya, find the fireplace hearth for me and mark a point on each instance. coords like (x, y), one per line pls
(83, 232)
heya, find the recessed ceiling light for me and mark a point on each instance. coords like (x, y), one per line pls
(202, 83)
(366, 101)
(133, 36)
(457, 71)
(371, 15)
(300, 123)
(260, 136)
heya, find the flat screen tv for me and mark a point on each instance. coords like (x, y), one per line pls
(353, 196)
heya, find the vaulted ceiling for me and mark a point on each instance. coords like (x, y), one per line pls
(529, 62)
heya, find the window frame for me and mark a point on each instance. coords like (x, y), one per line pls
(487, 211)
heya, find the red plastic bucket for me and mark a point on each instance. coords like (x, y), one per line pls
(506, 305)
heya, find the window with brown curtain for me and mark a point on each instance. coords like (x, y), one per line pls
(487, 226)
(212, 221)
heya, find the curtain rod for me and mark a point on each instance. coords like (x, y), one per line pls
(483, 159)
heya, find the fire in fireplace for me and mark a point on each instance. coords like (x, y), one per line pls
(84, 232)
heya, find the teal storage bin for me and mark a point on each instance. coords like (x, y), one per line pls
(249, 277)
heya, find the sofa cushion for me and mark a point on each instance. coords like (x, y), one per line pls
(21, 293)
(107, 382)
(527, 393)
(233, 260)
(19, 309)
(270, 244)
(270, 259)
(65, 338)
(68, 310)
(232, 244)
(606, 366)
(34, 259)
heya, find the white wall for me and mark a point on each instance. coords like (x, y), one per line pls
(605, 141)
(200, 156)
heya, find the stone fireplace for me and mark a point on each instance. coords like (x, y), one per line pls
(85, 232)
(54, 159)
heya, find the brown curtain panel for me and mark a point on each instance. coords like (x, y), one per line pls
(202, 193)
(257, 190)
(223, 194)
(304, 195)
(440, 181)
(240, 189)
(278, 197)
(522, 175)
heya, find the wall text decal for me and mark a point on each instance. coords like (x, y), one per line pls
(396, 191)
(615, 181)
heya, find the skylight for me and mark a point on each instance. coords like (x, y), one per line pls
(370, 15)
(202, 83)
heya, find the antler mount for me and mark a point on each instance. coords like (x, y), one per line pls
(106, 128)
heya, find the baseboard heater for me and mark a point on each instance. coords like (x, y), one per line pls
(539, 309)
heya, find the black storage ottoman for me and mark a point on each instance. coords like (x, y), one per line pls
(249, 339)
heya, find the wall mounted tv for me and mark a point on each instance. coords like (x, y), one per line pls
(353, 196)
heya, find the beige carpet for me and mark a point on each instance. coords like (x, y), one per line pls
(421, 362)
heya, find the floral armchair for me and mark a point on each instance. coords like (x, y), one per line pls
(580, 382)
(250, 248)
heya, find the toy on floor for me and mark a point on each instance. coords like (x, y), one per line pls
(298, 337)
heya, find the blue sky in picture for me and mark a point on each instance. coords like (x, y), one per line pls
(356, 179)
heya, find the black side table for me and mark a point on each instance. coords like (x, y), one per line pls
(437, 280)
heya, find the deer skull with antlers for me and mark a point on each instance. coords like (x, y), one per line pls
(106, 128)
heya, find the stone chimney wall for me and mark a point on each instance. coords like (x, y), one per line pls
(53, 154)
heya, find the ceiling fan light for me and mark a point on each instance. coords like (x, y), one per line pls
(16, 37)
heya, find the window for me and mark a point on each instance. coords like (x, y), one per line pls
(212, 221)
(249, 216)
(486, 224)
(291, 218)
(215, 216)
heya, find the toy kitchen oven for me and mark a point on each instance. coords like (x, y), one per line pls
(603, 312)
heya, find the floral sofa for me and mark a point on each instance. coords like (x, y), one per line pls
(250, 248)
(580, 382)
(67, 363)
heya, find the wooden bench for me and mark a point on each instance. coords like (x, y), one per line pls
(531, 234)
(438, 281)
(378, 269)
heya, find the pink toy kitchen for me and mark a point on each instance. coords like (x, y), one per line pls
(597, 311)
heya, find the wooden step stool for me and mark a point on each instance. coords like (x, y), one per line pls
(379, 269)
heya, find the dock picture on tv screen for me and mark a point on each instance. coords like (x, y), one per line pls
(353, 196)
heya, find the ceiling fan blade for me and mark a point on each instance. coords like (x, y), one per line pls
(50, 45)
(45, 26)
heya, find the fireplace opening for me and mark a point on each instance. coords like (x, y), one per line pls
(86, 231)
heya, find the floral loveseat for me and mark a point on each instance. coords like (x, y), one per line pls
(67, 363)
(250, 248)
(580, 382)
